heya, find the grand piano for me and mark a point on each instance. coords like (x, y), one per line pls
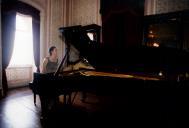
(92, 67)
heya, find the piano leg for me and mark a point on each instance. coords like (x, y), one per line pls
(68, 98)
(47, 104)
(34, 97)
(44, 106)
(83, 96)
(65, 99)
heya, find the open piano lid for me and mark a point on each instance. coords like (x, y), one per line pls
(141, 59)
(76, 36)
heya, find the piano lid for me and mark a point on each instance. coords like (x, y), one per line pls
(79, 37)
(78, 41)
(80, 48)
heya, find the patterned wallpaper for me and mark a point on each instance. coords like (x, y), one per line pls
(62, 13)
(56, 13)
(86, 12)
(150, 7)
(163, 6)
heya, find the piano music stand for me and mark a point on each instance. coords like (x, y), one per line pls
(66, 58)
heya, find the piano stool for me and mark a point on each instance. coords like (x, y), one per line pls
(66, 100)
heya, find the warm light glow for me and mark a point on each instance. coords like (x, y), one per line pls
(23, 44)
(155, 45)
(160, 73)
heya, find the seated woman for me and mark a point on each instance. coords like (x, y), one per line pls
(50, 63)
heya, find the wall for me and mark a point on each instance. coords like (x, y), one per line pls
(165, 6)
(39, 4)
(86, 12)
(0, 52)
(150, 7)
(57, 11)
(62, 13)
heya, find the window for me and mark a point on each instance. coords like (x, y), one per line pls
(22, 55)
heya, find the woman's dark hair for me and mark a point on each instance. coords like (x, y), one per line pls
(51, 49)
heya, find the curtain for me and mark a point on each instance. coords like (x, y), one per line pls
(9, 9)
(8, 34)
(29, 10)
(36, 42)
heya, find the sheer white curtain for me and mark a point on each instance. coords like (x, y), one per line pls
(21, 66)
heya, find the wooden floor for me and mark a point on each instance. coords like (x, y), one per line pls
(17, 110)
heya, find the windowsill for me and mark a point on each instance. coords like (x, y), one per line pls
(23, 66)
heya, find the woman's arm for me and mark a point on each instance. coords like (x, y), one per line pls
(45, 61)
